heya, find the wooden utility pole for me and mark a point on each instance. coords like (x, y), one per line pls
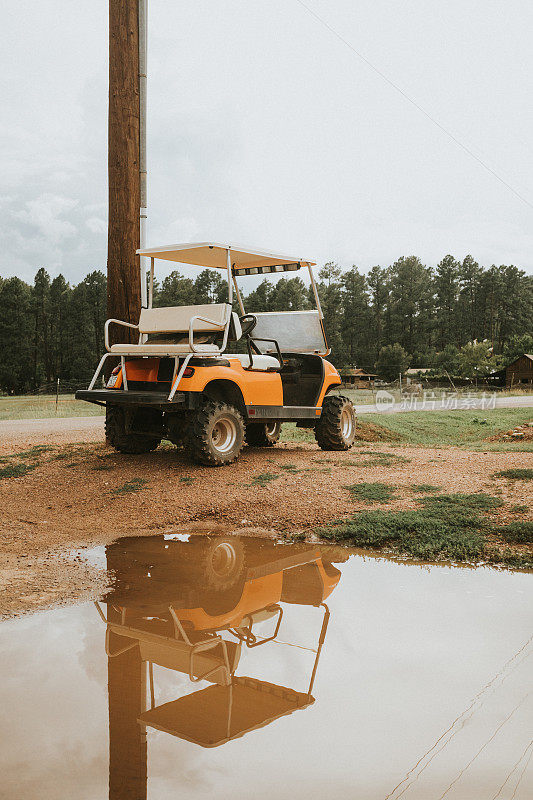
(123, 284)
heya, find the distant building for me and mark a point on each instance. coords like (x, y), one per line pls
(357, 378)
(414, 372)
(518, 373)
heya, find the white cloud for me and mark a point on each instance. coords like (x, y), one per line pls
(96, 225)
(44, 214)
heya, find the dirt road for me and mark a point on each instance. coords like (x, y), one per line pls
(90, 429)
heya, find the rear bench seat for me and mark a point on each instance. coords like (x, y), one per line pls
(177, 320)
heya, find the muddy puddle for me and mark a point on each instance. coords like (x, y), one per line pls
(236, 668)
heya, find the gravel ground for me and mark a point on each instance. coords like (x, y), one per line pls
(81, 493)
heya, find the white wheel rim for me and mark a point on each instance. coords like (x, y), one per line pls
(347, 423)
(224, 435)
(223, 559)
(270, 428)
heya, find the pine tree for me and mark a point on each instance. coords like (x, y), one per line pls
(411, 304)
(355, 324)
(16, 335)
(446, 298)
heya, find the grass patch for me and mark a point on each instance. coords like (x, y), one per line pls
(518, 508)
(16, 470)
(424, 488)
(520, 532)
(377, 459)
(441, 428)
(449, 527)
(518, 474)
(480, 501)
(372, 492)
(263, 479)
(290, 433)
(33, 452)
(131, 486)
(187, 478)
(512, 560)
(44, 407)
(292, 468)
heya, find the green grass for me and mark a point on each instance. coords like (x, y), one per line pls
(480, 501)
(450, 527)
(16, 470)
(16, 464)
(377, 458)
(511, 559)
(424, 488)
(520, 532)
(519, 508)
(290, 433)
(518, 474)
(372, 492)
(131, 486)
(441, 428)
(187, 478)
(263, 479)
(33, 452)
(44, 407)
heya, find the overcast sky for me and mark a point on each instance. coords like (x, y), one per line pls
(266, 130)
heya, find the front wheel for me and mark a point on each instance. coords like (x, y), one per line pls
(263, 434)
(335, 430)
(216, 434)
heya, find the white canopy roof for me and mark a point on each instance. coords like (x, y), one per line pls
(214, 254)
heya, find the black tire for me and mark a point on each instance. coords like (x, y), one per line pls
(263, 434)
(216, 434)
(115, 433)
(222, 563)
(335, 430)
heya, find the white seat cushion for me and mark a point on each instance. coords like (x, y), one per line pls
(259, 362)
(162, 349)
(177, 319)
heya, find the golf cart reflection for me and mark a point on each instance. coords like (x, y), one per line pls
(191, 606)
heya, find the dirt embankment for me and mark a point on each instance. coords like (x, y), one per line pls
(76, 495)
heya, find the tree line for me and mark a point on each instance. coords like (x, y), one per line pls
(458, 318)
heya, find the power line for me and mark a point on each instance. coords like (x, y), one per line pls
(452, 729)
(498, 793)
(413, 102)
(500, 726)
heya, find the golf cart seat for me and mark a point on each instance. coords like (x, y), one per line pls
(176, 655)
(209, 658)
(150, 349)
(172, 324)
(259, 362)
(217, 714)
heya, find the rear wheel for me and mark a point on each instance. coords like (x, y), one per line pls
(216, 434)
(124, 442)
(263, 434)
(335, 430)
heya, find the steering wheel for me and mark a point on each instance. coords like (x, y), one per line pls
(248, 323)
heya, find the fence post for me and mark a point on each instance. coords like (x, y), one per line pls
(57, 393)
